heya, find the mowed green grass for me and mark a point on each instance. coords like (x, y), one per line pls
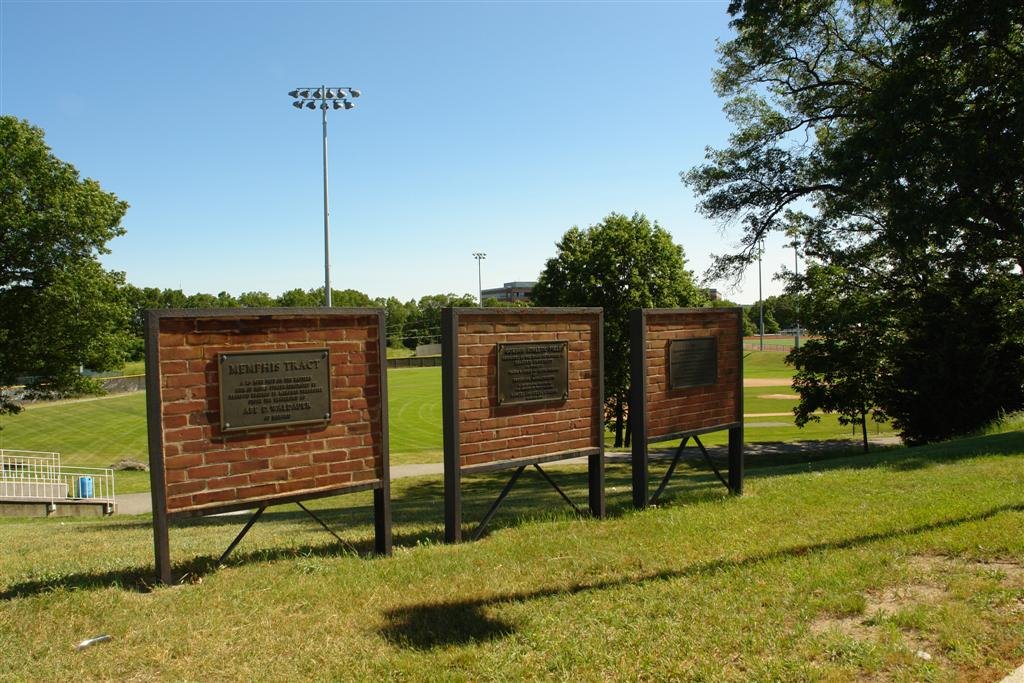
(766, 364)
(901, 565)
(414, 405)
(99, 432)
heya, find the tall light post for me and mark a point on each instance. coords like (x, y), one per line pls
(796, 272)
(479, 256)
(760, 297)
(325, 98)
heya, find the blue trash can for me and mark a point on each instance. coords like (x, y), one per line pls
(85, 487)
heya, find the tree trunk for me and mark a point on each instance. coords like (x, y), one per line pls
(618, 422)
(864, 428)
(629, 429)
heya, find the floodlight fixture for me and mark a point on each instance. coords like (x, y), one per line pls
(479, 256)
(326, 98)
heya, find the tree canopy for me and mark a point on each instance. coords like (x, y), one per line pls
(59, 309)
(620, 264)
(888, 135)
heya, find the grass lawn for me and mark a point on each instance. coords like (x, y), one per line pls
(762, 364)
(901, 565)
(414, 405)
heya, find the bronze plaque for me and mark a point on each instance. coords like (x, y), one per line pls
(264, 389)
(533, 372)
(692, 362)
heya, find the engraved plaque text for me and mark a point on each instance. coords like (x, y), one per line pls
(263, 389)
(533, 372)
(692, 362)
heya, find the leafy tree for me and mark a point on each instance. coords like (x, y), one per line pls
(749, 328)
(887, 134)
(173, 298)
(424, 323)
(961, 362)
(349, 298)
(226, 300)
(139, 299)
(202, 300)
(256, 299)
(492, 302)
(753, 317)
(620, 264)
(844, 370)
(59, 309)
(785, 309)
(300, 298)
(397, 316)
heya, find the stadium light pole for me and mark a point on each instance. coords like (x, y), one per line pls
(796, 271)
(479, 256)
(325, 98)
(760, 296)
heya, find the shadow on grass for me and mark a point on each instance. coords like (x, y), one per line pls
(431, 625)
(785, 458)
(418, 508)
(417, 512)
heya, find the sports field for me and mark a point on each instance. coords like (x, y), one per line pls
(100, 431)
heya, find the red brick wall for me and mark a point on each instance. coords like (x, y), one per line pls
(489, 433)
(670, 411)
(205, 468)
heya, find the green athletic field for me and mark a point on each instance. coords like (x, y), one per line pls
(99, 432)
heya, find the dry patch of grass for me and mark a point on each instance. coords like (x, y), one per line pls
(917, 617)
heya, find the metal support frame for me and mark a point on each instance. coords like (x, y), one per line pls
(638, 412)
(675, 461)
(453, 471)
(241, 534)
(494, 506)
(162, 517)
(508, 487)
(259, 513)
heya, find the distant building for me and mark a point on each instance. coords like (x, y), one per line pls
(713, 294)
(510, 291)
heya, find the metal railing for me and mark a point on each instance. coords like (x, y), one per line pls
(38, 475)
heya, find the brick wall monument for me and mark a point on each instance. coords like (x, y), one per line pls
(249, 408)
(686, 380)
(520, 387)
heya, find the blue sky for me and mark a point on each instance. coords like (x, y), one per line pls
(487, 127)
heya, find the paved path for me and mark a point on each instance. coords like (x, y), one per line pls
(140, 503)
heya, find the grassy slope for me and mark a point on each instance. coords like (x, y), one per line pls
(842, 569)
(766, 364)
